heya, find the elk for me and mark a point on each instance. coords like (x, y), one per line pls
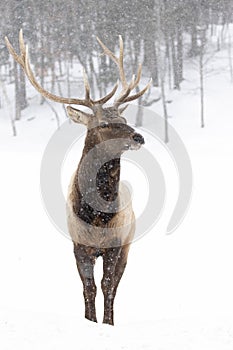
(100, 217)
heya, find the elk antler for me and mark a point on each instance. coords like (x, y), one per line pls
(126, 88)
(124, 97)
(23, 60)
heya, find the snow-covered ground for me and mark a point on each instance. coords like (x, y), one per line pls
(177, 291)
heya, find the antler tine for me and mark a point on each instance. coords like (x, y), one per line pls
(127, 88)
(134, 97)
(23, 60)
(121, 64)
(118, 61)
(22, 45)
(107, 52)
(86, 84)
(105, 99)
(139, 73)
(16, 57)
(132, 82)
(123, 96)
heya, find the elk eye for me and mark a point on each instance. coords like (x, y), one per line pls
(104, 125)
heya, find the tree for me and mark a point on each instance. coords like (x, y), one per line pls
(202, 32)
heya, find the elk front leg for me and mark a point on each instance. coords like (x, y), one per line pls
(85, 260)
(120, 266)
(114, 260)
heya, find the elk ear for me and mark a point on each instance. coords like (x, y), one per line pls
(78, 116)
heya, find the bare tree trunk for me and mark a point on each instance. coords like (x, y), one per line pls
(222, 33)
(218, 44)
(162, 65)
(92, 75)
(104, 68)
(17, 93)
(155, 73)
(64, 107)
(166, 138)
(194, 47)
(9, 105)
(174, 63)
(53, 76)
(230, 57)
(68, 77)
(134, 53)
(42, 61)
(54, 111)
(150, 57)
(60, 65)
(23, 99)
(167, 45)
(139, 116)
(201, 70)
(169, 65)
(212, 24)
(180, 51)
(67, 45)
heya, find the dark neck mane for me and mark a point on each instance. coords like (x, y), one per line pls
(104, 184)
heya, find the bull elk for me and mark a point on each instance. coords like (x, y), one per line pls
(100, 217)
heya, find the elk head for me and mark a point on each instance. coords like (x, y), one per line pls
(104, 123)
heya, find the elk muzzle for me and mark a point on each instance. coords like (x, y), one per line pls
(138, 139)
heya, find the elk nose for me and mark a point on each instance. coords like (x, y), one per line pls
(138, 138)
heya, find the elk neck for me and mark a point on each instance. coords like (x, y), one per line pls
(98, 174)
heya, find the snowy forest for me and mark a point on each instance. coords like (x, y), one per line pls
(176, 292)
(162, 35)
